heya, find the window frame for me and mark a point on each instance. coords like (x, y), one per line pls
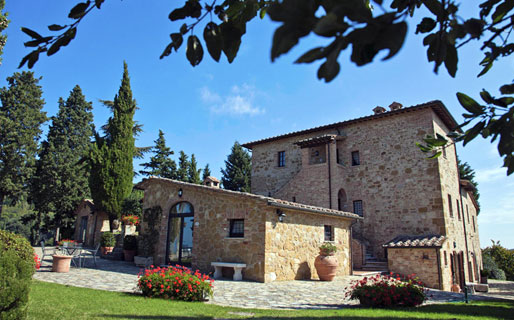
(330, 229)
(450, 205)
(361, 207)
(356, 161)
(281, 159)
(232, 224)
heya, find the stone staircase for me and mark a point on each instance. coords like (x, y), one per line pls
(371, 263)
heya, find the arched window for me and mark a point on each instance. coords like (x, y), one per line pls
(182, 208)
(179, 246)
(341, 200)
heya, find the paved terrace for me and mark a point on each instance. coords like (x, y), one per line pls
(305, 294)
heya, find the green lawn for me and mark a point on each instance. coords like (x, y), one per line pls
(54, 301)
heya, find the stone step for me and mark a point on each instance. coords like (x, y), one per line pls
(375, 268)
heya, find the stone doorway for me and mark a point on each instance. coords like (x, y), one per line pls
(179, 244)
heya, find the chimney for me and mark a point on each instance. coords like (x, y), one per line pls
(395, 106)
(211, 182)
(379, 110)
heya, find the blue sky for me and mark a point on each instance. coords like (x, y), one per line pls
(203, 110)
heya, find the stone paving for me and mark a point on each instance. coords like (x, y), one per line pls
(304, 294)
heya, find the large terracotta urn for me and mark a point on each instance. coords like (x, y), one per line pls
(61, 263)
(106, 250)
(326, 265)
(128, 255)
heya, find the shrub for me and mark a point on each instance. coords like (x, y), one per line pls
(388, 291)
(17, 265)
(108, 239)
(328, 248)
(503, 258)
(130, 242)
(491, 268)
(175, 283)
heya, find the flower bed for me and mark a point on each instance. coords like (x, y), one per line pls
(388, 291)
(37, 261)
(175, 283)
(131, 220)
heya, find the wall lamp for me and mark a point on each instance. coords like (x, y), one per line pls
(180, 192)
(280, 215)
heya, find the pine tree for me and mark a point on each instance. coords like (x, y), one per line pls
(21, 117)
(3, 25)
(61, 179)
(206, 172)
(111, 156)
(193, 173)
(183, 167)
(238, 170)
(160, 164)
(467, 173)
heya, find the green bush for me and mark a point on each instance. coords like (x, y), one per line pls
(491, 268)
(503, 258)
(17, 266)
(108, 239)
(130, 242)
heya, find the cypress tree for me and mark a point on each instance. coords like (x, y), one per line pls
(206, 172)
(160, 164)
(3, 25)
(111, 156)
(61, 179)
(192, 172)
(21, 117)
(238, 169)
(183, 167)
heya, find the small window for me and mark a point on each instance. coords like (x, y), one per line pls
(355, 158)
(467, 212)
(237, 228)
(450, 205)
(294, 199)
(474, 225)
(458, 209)
(357, 207)
(445, 259)
(329, 233)
(444, 152)
(337, 157)
(281, 158)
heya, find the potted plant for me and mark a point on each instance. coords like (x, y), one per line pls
(129, 247)
(326, 263)
(131, 220)
(108, 241)
(484, 274)
(61, 261)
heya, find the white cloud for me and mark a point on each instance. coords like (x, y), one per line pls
(490, 175)
(240, 101)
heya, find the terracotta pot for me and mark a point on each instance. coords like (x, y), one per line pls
(483, 279)
(455, 288)
(61, 263)
(128, 255)
(106, 250)
(326, 266)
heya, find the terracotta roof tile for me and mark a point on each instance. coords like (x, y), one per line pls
(404, 241)
(436, 105)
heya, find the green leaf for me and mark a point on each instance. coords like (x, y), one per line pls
(426, 25)
(423, 148)
(486, 96)
(55, 27)
(194, 50)
(507, 89)
(33, 34)
(435, 155)
(98, 3)
(262, 13)
(176, 40)
(79, 10)
(284, 39)
(469, 104)
(453, 135)
(434, 6)
(213, 40)
(329, 26)
(33, 58)
(502, 10)
(312, 55)
(167, 51)
(473, 132)
(231, 40)
(451, 60)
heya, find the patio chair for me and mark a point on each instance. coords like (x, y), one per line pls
(90, 252)
(76, 256)
(46, 251)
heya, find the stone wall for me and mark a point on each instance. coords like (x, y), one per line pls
(358, 253)
(212, 211)
(292, 245)
(272, 250)
(97, 223)
(423, 262)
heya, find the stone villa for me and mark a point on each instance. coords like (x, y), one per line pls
(362, 184)
(418, 216)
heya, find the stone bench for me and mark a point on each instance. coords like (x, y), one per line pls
(238, 267)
